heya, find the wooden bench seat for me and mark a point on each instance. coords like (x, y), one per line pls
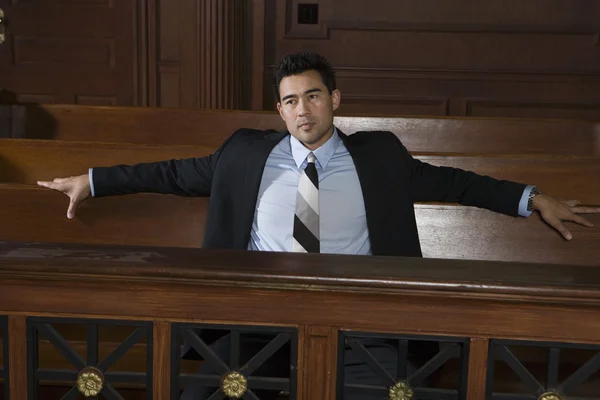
(144, 125)
(27, 161)
(29, 213)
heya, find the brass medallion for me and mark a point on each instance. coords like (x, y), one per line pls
(550, 396)
(234, 385)
(90, 381)
(401, 391)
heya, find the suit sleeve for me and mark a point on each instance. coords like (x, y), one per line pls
(184, 177)
(429, 183)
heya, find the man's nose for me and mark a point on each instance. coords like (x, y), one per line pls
(303, 108)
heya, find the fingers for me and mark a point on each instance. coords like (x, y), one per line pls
(581, 221)
(572, 203)
(71, 209)
(586, 210)
(49, 185)
(60, 184)
(558, 225)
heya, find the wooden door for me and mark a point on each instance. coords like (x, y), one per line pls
(73, 51)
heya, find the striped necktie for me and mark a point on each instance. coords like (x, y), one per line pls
(306, 220)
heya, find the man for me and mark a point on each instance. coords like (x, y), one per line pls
(313, 188)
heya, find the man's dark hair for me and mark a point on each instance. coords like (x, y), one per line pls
(297, 63)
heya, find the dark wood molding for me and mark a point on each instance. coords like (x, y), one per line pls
(574, 29)
(152, 42)
(142, 61)
(258, 54)
(222, 50)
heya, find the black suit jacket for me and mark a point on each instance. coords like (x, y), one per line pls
(391, 180)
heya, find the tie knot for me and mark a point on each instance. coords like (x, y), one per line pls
(311, 158)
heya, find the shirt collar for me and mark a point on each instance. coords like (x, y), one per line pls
(323, 154)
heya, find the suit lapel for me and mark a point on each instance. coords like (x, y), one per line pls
(371, 181)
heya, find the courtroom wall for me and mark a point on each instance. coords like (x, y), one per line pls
(504, 58)
(485, 58)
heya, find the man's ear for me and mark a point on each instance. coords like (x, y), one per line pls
(280, 109)
(336, 97)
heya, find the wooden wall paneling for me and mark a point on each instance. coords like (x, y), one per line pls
(222, 54)
(74, 51)
(141, 79)
(168, 74)
(257, 53)
(152, 52)
(527, 59)
(5, 120)
(190, 25)
(203, 47)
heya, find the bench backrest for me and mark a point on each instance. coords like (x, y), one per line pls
(210, 128)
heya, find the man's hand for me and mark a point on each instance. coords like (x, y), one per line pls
(554, 212)
(76, 187)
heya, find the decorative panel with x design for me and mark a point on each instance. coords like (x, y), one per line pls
(4, 355)
(529, 370)
(231, 361)
(388, 366)
(87, 372)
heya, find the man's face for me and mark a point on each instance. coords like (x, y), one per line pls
(307, 108)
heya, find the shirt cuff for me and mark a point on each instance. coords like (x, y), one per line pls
(90, 173)
(524, 200)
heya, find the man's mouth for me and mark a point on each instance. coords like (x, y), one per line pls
(306, 125)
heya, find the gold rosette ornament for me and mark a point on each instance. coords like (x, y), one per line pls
(234, 385)
(550, 396)
(90, 382)
(401, 391)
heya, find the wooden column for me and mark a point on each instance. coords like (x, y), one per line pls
(317, 362)
(17, 363)
(161, 359)
(478, 357)
(223, 66)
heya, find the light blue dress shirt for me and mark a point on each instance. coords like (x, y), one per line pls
(343, 220)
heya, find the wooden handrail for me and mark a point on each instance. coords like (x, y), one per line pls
(323, 296)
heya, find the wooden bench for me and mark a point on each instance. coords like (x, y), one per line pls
(27, 161)
(164, 126)
(35, 214)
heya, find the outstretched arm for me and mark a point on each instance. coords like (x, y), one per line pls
(432, 183)
(186, 177)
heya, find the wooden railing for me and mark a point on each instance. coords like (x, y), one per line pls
(483, 318)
